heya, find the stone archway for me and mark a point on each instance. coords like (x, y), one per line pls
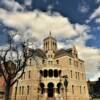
(50, 89)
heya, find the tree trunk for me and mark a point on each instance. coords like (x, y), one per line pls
(7, 90)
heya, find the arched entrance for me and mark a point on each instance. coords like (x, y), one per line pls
(50, 89)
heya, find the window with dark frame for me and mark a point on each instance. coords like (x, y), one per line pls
(28, 90)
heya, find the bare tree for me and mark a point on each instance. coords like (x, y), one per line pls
(12, 64)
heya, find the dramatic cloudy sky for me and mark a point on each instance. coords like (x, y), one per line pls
(72, 22)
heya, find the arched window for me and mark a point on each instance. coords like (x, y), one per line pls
(50, 73)
(45, 73)
(43, 61)
(59, 72)
(55, 73)
(41, 72)
(59, 87)
(42, 87)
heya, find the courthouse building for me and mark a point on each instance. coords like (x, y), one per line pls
(52, 75)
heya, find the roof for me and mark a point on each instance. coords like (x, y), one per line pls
(37, 52)
(40, 53)
(63, 52)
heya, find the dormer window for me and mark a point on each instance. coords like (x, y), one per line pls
(57, 61)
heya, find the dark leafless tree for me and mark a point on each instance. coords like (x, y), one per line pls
(12, 64)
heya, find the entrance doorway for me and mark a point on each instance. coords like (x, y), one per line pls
(50, 89)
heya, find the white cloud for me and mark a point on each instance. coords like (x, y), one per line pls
(11, 5)
(95, 15)
(91, 56)
(28, 2)
(83, 7)
(97, 20)
(97, 1)
(96, 76)
(81, 28)
(39, 23)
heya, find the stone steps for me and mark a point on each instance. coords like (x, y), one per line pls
(50, 98)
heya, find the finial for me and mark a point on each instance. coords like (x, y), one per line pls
(50, 33)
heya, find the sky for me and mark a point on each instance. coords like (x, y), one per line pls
(71, 22)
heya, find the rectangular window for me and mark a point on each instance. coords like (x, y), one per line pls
(28, 90)
(30, 61)
(82, 76)
(16, 90)
(76, 74)
(22, 90)
(70, 62)
(80, 90)
(76, 63)
(72, 89)
(84, 89)
(51, 62)
(24, 75)
(81, 65)
(71, 74)
(29, 74)
(43, 61)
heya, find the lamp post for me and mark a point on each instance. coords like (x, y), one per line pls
(65, 84)
(39, 85)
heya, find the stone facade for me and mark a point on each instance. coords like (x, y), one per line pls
(47, 75)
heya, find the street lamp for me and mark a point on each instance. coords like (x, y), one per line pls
(10, 67)
(65, 84)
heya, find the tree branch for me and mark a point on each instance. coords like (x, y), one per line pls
(17, 78)
(3, 73)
